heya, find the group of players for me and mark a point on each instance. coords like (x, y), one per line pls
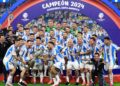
(55, 50)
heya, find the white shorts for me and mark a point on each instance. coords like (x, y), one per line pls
(108, 66)
(50, 63)
(23, 67)
(83, 65)
(9, 66)
(89, 67)
(73, 65)
(59, 65)
(38, 66)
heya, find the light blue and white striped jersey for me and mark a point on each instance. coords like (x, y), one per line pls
(47, 34)
(59, 57)
(82, 48)
(9, 54)
(58, 35)
(25, 37)
(75, 40)
(58, 48)
(52, 52)
(70, 36)
(19, 33)
(99, 42)
(37, 48)
(86, 37)
(71, 53)
(63, 42)
(25, 52)
(58, 39)
(46, 40)
(110, 53)
(56, 52)
(94, 49)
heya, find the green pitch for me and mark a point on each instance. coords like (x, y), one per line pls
(2, 84)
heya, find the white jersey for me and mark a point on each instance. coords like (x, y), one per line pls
(25, 37)
(94, 49)
(71, 53)
(63, 42)
(86, 37)
(9, 56)
(99, 42)
(19, 33)
(82, 48)
(59, 58)
(52, 53)
(59, 61)
(58, 35)
(70, 36)
(25, 52)
(110, 53)
(37, 48)
(58, 48)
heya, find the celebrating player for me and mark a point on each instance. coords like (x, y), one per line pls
(38, 65)
(83, 53)
(70, 53)
(110, 57)
(25, 55)
(11, 61)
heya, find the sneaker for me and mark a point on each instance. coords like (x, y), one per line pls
(41, 82)
(50, 82)
(23, 83)
(67, 83)
(76, 83)
(60, 81)
(91, 82)
(88, 84)
(8, 84)
(111, 84)
(19, 83)
(83, 83)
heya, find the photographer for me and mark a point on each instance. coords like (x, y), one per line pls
(10, 38)
(98, 64)
(3, 48)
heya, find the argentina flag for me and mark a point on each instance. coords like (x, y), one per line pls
(115, 0)
(4, 1)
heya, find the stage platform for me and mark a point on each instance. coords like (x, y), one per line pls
(29, 79)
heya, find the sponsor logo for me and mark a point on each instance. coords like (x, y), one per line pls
(25, 17)
(101, 17)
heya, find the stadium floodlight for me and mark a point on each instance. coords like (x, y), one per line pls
(4, 1)
(115, 0)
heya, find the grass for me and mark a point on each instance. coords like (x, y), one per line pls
(2, 84)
